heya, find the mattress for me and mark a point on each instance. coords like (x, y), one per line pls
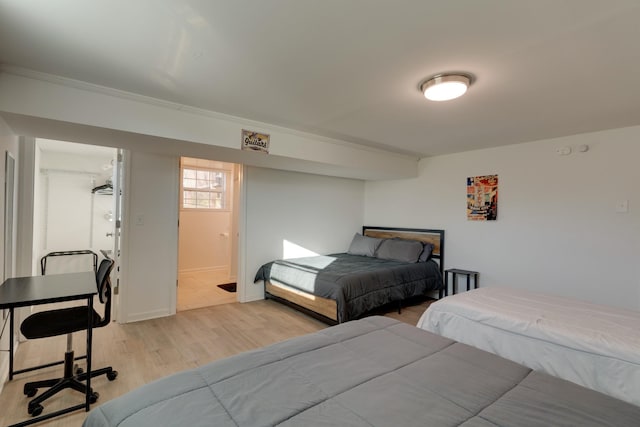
(592, 345)
(371, 372)
(358, 284)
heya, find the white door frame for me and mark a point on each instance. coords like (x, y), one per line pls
(118, 209)
(9, 210)
(238, 227)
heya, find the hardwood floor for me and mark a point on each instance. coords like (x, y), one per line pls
(144, 351)
(200, 289)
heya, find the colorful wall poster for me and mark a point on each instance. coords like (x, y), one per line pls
(482, 198)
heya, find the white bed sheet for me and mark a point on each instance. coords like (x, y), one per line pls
(592, 345)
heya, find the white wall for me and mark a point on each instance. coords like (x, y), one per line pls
(557, 229)
(205, 238)
(68, 212)
(70, 110)
(8, 142)
(317, 213)
(150, 236)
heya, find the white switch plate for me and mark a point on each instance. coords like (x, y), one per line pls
(622, 206)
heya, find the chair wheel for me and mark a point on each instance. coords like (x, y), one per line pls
(35, 410)
(30, 391)
(79, 370)
(112, 375)
(94, 397)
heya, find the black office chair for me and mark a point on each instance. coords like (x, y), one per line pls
(68, 262)
(66, 321)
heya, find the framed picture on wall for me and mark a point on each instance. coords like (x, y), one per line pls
(482, 198)
(255, 141)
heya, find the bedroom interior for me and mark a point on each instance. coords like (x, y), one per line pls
(145, 351)
(353, 141)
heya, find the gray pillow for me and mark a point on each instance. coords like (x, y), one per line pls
(364, 245)
(400, 250)
(426, 252)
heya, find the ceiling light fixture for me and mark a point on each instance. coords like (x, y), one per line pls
(443, 87)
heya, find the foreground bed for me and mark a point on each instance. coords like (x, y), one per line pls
(382, 266)
(370, 372)
(592, 345)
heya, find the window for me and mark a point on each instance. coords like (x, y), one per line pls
(204, 188)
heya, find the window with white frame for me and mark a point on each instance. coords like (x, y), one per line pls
(204, 188)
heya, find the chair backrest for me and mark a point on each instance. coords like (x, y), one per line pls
(68, 262)
(103, 280)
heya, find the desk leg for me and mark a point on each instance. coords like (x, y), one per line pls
(468, 281)
(11, 339)
(454, 286)
(89, 347)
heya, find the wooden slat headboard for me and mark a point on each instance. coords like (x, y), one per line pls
(433, 236)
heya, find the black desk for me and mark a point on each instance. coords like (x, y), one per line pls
(36, 290)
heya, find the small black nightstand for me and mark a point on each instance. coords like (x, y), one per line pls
(454, 284)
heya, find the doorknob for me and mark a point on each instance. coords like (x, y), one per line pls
(109, 234)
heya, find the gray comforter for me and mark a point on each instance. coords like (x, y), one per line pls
(371, 372)
(358, 284)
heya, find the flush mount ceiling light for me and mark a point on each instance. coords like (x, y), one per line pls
(443, 87)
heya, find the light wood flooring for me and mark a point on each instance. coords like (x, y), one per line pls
(147, 350)
(200, 289)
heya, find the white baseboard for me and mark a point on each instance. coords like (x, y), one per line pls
(217, 269)
(147, 315)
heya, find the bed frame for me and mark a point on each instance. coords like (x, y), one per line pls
(325, 309)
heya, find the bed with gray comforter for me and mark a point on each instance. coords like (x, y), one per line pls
(370, 372)
(358, 284)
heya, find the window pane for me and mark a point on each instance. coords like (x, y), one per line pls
(188, 199)
(202, 183)
(217, 200)
(204, 188)
(203, 200)
(218, 180)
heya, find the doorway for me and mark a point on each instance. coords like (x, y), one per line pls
(73, 198)
(207, 237)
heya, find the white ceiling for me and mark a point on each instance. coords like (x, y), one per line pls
(350, 69)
